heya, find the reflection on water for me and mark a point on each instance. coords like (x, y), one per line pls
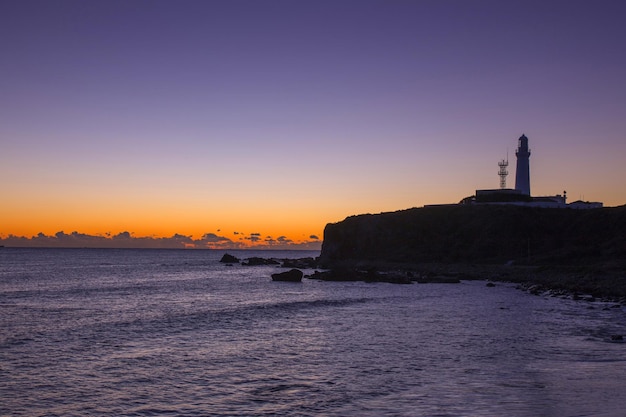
(103, 332)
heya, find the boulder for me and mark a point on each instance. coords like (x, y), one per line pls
(371, 275)
(256, 261)
(302, 263)
(229, 259)
(293, 275)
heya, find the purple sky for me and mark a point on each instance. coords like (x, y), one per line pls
(322, 108)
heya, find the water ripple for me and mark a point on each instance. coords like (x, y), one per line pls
(160, 333)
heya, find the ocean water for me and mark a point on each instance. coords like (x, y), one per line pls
(88, 332)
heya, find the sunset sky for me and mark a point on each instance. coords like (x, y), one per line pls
(228, 123)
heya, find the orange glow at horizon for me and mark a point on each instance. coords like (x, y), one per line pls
(131, 126)
(295, 216)
(157, 221)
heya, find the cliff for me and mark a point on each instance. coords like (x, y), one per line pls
(479, 234)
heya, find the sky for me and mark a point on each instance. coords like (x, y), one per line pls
(226, 124)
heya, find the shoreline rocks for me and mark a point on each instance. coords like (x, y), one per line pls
(300, 263)
(229, 259)
(584, 283)
(347, 275)
(293, 275)
(256, 261)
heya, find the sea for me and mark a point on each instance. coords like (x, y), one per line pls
(106, 332)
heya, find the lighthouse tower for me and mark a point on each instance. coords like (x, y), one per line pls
(522, 172)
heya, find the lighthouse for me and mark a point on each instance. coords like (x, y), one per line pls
(522, 172)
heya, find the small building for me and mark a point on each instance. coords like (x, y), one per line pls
(518, 198)
(501, 195)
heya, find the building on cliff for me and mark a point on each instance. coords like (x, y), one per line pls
(520, 195)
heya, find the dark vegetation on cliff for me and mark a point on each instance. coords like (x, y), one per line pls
(481, 234)
(580, 250)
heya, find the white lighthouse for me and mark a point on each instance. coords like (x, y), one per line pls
(522, 172)
(520, 196)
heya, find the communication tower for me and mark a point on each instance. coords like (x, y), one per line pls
(503, 172)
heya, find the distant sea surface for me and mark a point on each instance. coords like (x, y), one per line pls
(89, 332)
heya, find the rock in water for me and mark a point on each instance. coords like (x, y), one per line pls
(256, 261)
(300, 263)
(293, 275)
(229, 259)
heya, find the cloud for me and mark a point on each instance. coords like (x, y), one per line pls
(213, 238)
(314, 237)
(254, 237)
(127, 239)
(122, 236)
(213, 241)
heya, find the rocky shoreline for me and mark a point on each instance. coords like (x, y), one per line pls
(605, 283)
(577, 282)
(581, 253)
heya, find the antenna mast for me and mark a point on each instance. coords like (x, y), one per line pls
(503, 172)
